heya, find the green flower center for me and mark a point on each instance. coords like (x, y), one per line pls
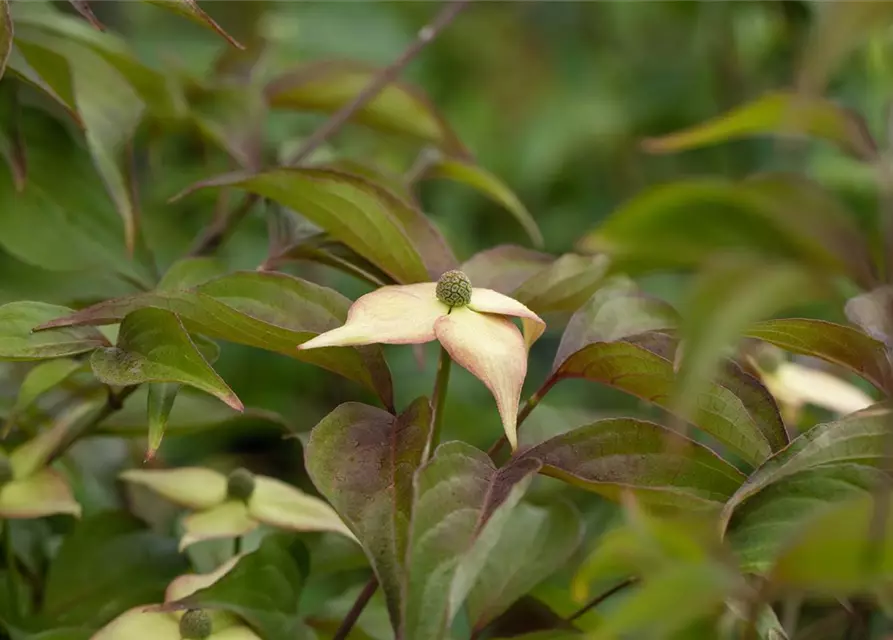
(240, 484)
(5, 469)
(195, 625)
(454, 289)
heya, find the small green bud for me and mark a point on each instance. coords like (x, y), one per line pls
(5, 469)
(454, 289)
(195, 625)
(240, 484)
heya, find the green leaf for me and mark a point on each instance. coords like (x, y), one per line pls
(6, 33)
(161, 398)
(660, 467)
(113, 548)
(778, 216)
(153, 87)
(153, 346)
(110, 110)
(362, 460)
(190, 9)
(362, 215)
(17, 342)
(462, 505)
(263, 589)
(776, 114)
(669, 601)
(836, 553)
(232, 118)
(642, 365)
(839, 29)
(190, 272)
(856, 439)
(41, 379)
(506, 267)
(838, 344)
(482, 180)
(271, 311)
(763, 524)
(400, 108)
(725, 300)
(537, 542)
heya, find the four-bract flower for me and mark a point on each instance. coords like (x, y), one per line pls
(234, 505)
(470, 323)
(148, 622)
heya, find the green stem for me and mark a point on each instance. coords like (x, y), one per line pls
(438, 401)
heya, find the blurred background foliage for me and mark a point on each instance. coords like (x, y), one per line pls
(555, 98)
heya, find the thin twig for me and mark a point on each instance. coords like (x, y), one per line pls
(356, 610)
(386, 76)
(213, 236)
(592, 604)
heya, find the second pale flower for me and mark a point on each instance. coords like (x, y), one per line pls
(470, 323)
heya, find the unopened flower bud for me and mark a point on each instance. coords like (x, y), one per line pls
(240, 484)
(454, 289)
(5, 469)
(195, 625)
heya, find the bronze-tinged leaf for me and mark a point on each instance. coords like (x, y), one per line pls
(506, 267)
(83, 8)
(19, 342)
(362, 460)
(620, 455)
(400, 108)
(266, 310)
(840, 345)
(190, 9)
(6, 35)
(367, 218)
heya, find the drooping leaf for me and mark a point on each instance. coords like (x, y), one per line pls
(686, 224)
(776, 114)
(6, 33)
(836, 551)
(643, 366)
(41, 379)
(232, 118)
(763, 523)
(270, 311)
(482, 180)
(400, 108)
(839, 29)
(154, 347)
(161, 399)
(362, 460)
(353, 210)
(855, 439)
(613, 456)
(461, 506)
(838, 344)
(190, 9)
(18, 342)
(112, 548)
(263, 589)
(83, 8)
(110, 110)
(153, 87)
(536, 542)
(191, 272)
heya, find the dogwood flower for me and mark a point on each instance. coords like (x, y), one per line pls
(234, 505)
(470, 323)
(157, 623)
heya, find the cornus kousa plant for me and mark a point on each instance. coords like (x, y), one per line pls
(670, 423)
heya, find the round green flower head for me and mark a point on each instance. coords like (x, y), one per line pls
(454, 289)
(5, 469)
(240, 484)
(195, 625)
